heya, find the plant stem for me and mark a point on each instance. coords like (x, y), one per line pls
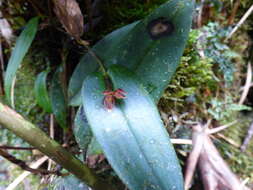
(91, 52)
(108, 82)
(37, 138)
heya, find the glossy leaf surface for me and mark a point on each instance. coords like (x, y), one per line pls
(88, 64)
(153, 59)
(132, 134)
(82, 130)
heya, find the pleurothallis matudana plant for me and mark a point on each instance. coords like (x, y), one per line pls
(139, 60)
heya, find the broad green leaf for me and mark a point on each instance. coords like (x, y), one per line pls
(41, 92)
(132, 134)
(68, 183)
(88, 64)
(23, 43)
(58, 100)
(82, 130)
(153, 60)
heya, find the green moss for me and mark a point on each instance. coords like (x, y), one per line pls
(194, 75)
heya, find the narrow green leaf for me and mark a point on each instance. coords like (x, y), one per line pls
(41, 92)
(23, 43)
(88, 64)
(82, 130)
(58, 100)
(132, 134)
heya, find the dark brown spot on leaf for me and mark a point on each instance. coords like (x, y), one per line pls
(160, 27)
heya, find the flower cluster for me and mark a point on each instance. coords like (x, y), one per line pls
(110, 96)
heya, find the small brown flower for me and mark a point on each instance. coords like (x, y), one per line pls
(119, 94)
(110, 96)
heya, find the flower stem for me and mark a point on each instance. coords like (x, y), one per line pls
(98, 60)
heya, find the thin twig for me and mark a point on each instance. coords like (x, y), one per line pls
(51, 134)
(197, 140)
(233, 13)
(199, 19)
(244, 182)
(228, 140)
(247, 138)
(20, 178)
(181, 141)
(16, 148)
(24, 166)
(217, 129)
(242, 88)
(1, 69)
(245, 16)
(247, 84)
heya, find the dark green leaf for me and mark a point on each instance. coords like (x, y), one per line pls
(82, 130)
(58, 99)
(155, 59)
(41, 92)
(132, 134)
(23, 43)
(88, 64)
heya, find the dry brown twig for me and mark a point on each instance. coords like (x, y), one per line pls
(228, 140)
(199, 18)
(51, 134)
(247, 138)
(233, 12)
(1, 70)
(15, 147)
(241, 89)
(220, 128)
(24, 166)
(247, 84)
(243, 19)
(20, 178)
(215, 173)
